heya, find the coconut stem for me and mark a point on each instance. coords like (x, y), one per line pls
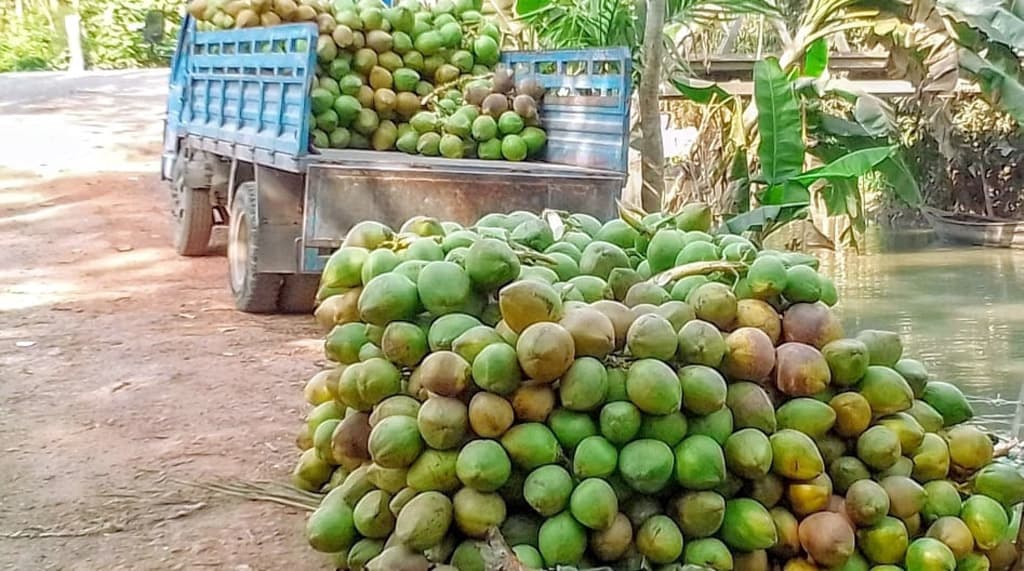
(498, 556)
(532, 256)
(633, 216)
(444, 87)
(696, 269)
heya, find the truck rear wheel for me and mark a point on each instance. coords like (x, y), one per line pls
(192, 211)
(253, 292)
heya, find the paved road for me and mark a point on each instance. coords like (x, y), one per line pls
(52, 123)
(34, 88)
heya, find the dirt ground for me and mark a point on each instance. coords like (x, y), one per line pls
(124, 369)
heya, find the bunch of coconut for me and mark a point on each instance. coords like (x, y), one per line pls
(227, 14)
(641, 393)
(489, 119)
(410, 77)
(381, 66)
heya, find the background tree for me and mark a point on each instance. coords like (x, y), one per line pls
(652, 150)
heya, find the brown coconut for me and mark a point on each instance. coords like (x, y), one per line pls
(621, 317)
(351, 437)
(545, 350)
(592, 332)
(749, 355)
(811, 323)
(828, 538)
(533, 402)
(800, 370)
(490, 415)
(750, 561)
(758, 314)
(444, 373)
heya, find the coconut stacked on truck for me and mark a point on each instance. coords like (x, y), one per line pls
(423, 80)
(628, 394)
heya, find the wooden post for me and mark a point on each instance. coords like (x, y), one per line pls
(72, 27)
(986, 189)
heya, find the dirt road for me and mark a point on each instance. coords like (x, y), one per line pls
(124, 369)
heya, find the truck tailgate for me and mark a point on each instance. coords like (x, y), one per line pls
(345, 187)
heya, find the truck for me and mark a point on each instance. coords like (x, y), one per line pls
(236, 153)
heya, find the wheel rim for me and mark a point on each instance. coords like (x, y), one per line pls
(238, 250)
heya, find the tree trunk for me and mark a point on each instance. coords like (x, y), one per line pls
(652, 152)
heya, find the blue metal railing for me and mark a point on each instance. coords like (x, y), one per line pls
(249, 87)
(586, 109)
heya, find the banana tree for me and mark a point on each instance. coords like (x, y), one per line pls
(783, 189)
(989, 36)
(929, 42)
(932, 42)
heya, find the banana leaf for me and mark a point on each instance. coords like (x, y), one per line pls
(997, 20)
(903, 182)
(781, 151)
(703, 94)
(788, 192)
(766, 218)
(816, 58)
(999, 77)
(852, 165)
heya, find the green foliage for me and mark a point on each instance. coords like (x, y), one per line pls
(1000, 21)
(816, 58)
(707, 13)
(582, 23)
(560, 24)
(111, 35)
(112, 31)
(999, 75)
(783, 187)
(960, 151)
(766, 219)
(30, 47)
(702, 94)
(930, 41)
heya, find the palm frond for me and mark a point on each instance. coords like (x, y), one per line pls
(583, 23)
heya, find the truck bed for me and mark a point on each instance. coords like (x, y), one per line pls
(243, 94)
(346, 187)
(374, 159)
(364, 159)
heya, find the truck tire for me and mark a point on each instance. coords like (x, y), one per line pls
(253, 292)
(298, 293)
(191, 210)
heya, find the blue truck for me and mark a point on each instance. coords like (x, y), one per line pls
(236, 154)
